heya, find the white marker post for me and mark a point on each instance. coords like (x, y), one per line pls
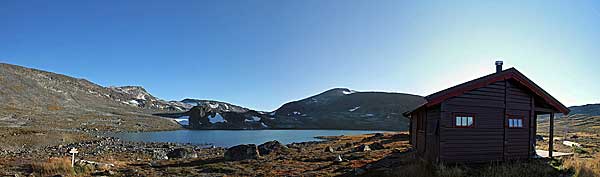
(73, 152)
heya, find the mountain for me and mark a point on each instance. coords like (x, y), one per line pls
(337, 108)
(138, 96)
(209, 114)
(585, 118)
(217, 105)
(35, 98)
(342, 108)
(588, 109)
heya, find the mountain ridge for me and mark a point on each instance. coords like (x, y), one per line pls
(41, 99)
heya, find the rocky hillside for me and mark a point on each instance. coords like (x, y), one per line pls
(208, 114)
(334, 109)
(588, 109)
(35, 97)
(342, 108)
(30, 97)
(139, 97)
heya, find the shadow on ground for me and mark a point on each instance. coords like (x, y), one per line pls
(408, 164)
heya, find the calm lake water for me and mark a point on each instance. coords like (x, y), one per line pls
(228, 138)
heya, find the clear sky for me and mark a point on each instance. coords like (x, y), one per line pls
(263, 53)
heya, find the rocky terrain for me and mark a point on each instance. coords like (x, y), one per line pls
(378, 155)
(110, 156)
(139, 97)
(39, 108)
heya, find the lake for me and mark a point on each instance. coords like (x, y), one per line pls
(228, 138)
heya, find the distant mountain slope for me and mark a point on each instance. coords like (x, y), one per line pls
(138, 96)
(572, 123)
(341, 108)
(208, 114)
(30, 97)
(588, 109)
(585, 118)
(33, 97)
(27, 86)
(334, 109)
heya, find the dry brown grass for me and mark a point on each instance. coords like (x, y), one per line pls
(55, 108)
(53, 166)
(583, 167)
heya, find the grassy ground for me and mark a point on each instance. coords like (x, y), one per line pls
(311, 159)
(301, 159)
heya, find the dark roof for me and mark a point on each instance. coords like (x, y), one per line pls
(510, 73)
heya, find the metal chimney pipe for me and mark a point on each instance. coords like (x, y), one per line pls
(499, 66)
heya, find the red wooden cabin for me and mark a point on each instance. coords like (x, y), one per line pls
(492, 118)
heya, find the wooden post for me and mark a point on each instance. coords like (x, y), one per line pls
(73, 152)
(551, 144)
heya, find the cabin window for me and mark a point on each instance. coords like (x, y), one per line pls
(462, 120)
(515, 122)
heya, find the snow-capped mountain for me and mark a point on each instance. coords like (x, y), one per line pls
(342, 108)
(338, 108)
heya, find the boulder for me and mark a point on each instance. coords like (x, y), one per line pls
(376, 146)
(378, 135)
(271, 146)
(347, 145)
(329, 149)
(363, 148)
(338, 159)
(242, 152)
(182, 153)
(159, 155)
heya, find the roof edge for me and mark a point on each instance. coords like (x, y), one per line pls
(511, 73)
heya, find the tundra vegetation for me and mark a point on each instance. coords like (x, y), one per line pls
(389, 154)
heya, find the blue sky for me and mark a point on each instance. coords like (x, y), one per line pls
(261, 54)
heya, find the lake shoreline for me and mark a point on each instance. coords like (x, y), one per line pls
(229, 138)
(145, 157)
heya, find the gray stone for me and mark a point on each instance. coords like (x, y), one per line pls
(271, 146)
(338, 159)
(376, 146)
(363, 148)
(242, 152)
(329, 149)
(182, 153)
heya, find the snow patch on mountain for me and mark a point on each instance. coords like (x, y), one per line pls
(133, 102)
(254, 119)
(214, 106)
(348, 92)
(216, 119)
(183, 120)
